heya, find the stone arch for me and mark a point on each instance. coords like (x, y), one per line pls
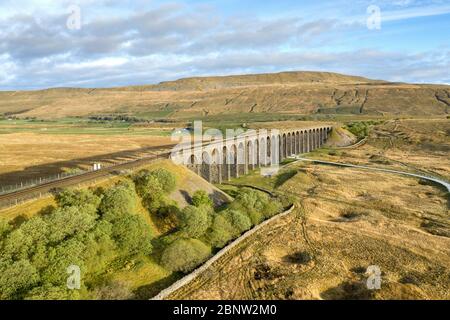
(193, 163)
(268, 159)
(284, 147)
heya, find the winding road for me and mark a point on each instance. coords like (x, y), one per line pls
(429, 178)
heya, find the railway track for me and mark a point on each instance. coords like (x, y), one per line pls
(32, 192)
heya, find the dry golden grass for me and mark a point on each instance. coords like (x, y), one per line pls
(291, 93)
(24, 156)
(408, 145)
(350, 220)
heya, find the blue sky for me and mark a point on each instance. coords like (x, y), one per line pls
(141, 41)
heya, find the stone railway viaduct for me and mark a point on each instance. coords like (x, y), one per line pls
(221, 160)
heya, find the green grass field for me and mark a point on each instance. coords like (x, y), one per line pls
(72, 126)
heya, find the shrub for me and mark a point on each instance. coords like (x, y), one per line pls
(194, 221)
(250, 200)
(184, 255)
(201, 198)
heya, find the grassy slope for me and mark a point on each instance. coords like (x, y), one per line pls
(147, 277)
(263, 96)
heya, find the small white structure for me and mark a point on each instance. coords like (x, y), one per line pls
(97, 166)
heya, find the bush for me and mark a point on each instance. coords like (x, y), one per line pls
(359, 129)
(184, 255)
(201, 198)
(250, 200)
(194, 221)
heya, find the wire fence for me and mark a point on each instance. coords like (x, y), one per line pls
(22, 199)
(5, 189)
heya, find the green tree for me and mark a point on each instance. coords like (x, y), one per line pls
(150, 189)
(118, 201)
(221, 231)
(65, 222)
(240, 221)
(132, 235)
(166, 178)
(16, 278)
(201, 198)
(185, 254)
(17, 245)
(5, 227)
(194, 221)
(272, 208)
(60, 257)
(49, 292)
(84, 199)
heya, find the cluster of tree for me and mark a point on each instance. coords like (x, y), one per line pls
(88, 229)
(361, 129)
(201, 229)
(95, 229)
(122, 118)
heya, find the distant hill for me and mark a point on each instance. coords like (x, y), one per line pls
(281, 93)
